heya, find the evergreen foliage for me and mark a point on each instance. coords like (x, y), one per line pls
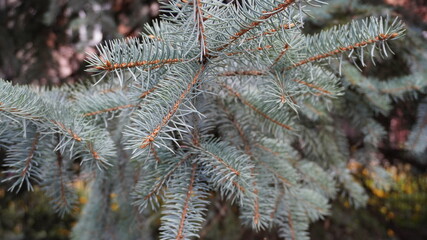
(215, 98)
(404, 81)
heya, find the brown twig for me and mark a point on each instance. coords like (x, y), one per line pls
(30, 157)
(266, 15)
(244, 101)
(150, 138)
(108, 66)
(380, 37)
(180, 235)
(312, 86)
(109, 110)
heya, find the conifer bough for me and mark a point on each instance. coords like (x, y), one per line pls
(214, 100)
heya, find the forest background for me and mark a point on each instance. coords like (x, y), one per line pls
(45, 42)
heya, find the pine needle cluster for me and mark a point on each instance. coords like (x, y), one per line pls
(227, 99)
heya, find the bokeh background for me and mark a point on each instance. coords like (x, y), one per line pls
(44, 42)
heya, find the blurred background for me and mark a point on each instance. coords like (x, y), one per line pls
(44, 42)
